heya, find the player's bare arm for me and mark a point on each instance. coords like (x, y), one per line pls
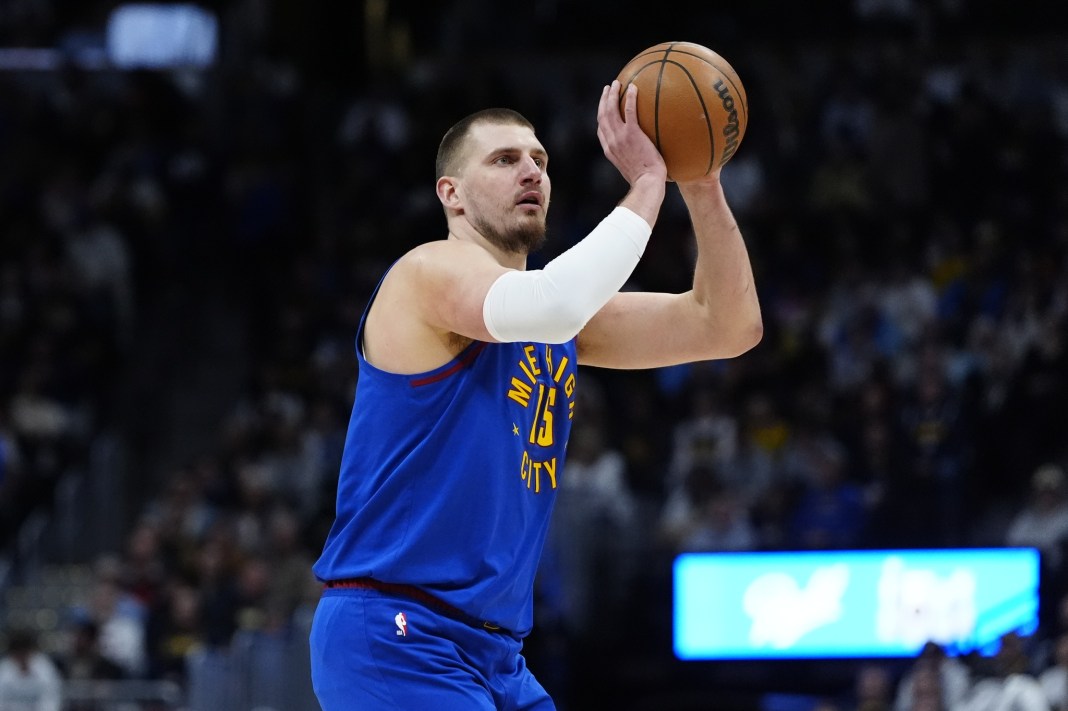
(430, 306)
(718, 318)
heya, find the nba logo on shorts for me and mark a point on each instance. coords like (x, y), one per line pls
(402, 624)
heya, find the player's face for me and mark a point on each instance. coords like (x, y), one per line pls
(505, 186)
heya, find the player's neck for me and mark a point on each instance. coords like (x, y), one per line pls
(508, 259)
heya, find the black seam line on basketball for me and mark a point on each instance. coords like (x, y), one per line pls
(658, 50)
(670, 46)
(656, 102)
(738, 90)
(704, 109)
(630, 80)
(634, 75)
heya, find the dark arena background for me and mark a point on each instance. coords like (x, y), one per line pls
(197, 200)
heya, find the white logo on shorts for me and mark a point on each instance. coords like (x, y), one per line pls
(402, 624)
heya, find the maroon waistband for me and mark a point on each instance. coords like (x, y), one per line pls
(414, 593)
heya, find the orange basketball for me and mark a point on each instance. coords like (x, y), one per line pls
(692, 105)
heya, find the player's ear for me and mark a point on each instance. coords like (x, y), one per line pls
(448, 192)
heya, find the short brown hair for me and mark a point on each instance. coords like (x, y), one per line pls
(452, 142)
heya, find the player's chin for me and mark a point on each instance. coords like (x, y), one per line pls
(532, 235)
(537, 216)
(531, 220)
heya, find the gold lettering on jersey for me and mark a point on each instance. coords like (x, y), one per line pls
(520, 392)
(545, 430)
(530, 471)
(532, 359)
(531, 376)
(550, 468)
(542, 386)
(560, 370)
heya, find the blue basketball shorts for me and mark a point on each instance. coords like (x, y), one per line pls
(375, 651)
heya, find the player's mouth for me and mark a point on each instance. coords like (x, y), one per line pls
(530, 200)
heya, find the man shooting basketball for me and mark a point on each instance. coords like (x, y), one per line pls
(468, 370)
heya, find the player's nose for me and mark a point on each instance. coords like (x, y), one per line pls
(530, 170)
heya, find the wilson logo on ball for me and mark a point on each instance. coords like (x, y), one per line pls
(731, 130)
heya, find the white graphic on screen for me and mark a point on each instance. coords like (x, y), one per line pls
(917, 606)
(783, 612)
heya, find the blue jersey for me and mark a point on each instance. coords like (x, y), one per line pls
(448, 477)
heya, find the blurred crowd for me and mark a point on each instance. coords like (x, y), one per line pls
(905, 202)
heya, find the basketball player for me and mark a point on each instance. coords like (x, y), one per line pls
(467, 376)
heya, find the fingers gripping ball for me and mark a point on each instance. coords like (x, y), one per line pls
(691, 103)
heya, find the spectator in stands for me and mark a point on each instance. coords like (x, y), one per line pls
(873, 688)
(216, 568)
(830, 512)
(1008, 681)
(1054, 678)
(937, 439)
(29, 678)
(813, 442)
(119, 616)
(1037, 406)
(182, 515)
(173, 630)
(81, 659)
(290, 578)
(253, 586)
(934, 682)
(879, 472)
(681, 506)
(706, 436)
(721, 522)
(10, 480)
(1043, 520)
(593, 538)
(144, 570)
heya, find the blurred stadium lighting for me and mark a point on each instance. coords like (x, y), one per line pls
(153, 36)
(162, 36)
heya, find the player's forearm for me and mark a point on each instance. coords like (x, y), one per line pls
(723, 284)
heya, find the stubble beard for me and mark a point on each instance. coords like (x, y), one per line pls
(525, 238)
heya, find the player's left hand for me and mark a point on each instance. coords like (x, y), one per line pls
(625, 144)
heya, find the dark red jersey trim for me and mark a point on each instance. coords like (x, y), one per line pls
(451, 370)
(414, 593)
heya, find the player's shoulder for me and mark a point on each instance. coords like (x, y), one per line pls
(444, 248)
(441, 255)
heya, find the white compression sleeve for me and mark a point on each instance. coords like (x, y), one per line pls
(551, 305)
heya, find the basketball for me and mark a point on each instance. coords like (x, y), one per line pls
(691, 103)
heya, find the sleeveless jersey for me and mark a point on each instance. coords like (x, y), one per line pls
(448, 477)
